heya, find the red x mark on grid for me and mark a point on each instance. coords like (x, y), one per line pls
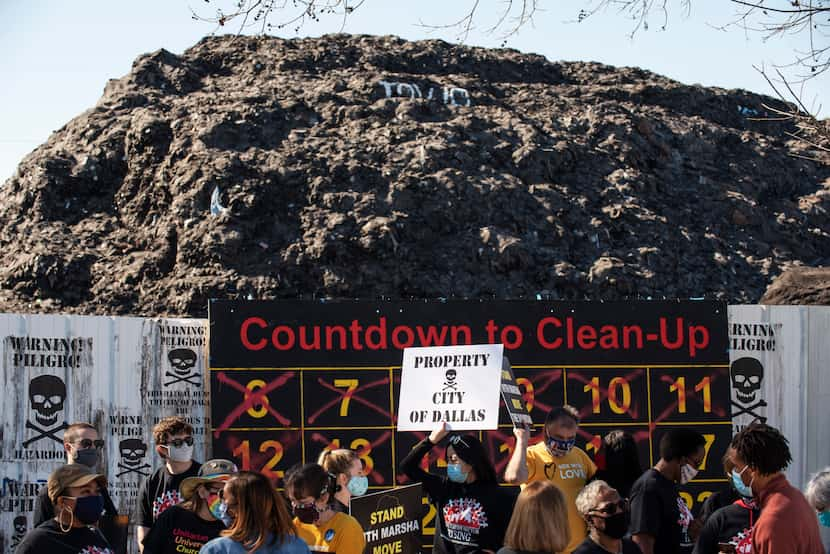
(253, 398)
(384, 437)
(586, 411)
(718, 410)
(343, 394)
(547, 378)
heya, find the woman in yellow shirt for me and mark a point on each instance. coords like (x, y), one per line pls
(311, 491)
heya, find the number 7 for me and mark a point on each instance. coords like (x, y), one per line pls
(710, 439)
(351, 385)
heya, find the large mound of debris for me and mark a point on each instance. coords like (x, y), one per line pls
(356, 166)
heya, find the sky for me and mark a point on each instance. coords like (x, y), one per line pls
(58, 55)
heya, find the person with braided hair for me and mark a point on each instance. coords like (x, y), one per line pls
(311, 489)
(787, 523)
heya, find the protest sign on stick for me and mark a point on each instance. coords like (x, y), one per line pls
(458, 385)
(512, 395)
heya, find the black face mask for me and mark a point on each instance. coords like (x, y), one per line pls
(616, 526)
(307, 513)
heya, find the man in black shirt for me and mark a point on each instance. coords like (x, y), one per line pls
(82, 446)
(174, 443)
(661, 523)
(606, 514)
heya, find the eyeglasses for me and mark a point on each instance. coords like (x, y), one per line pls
(89, 443)
(457, 439)
(179, 442)
(612, 508)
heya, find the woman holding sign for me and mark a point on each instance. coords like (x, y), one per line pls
(473, 510)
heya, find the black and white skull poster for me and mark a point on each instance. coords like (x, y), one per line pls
(120, 374)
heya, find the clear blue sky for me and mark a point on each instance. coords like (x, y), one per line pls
(58, 55)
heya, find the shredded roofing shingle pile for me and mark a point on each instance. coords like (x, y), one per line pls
(354, 166)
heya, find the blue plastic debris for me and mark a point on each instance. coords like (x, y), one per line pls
(215, 207)
(743, 110)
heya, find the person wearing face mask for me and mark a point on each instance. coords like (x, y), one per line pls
(470, 487)
(199, 518)
(258, 520)
(174, 444)
(661, 522)
(348, 468)
(555, 459)
(818, 495)
(607, 517)
(75, 492)
(760, 454)
(311, 489)
(82, 446)
(730, 524)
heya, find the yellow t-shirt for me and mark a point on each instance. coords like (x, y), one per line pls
(341, 534)
(569, 473)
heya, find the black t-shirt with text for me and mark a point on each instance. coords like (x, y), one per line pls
(658, 510)
(159, 491)
(471, 516)
(731, 524)
(179, 531)
(49, 539)
(590, 547)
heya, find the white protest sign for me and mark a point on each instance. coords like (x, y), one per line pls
(459, 385)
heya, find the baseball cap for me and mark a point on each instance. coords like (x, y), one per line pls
(211, 470)
(71, 475)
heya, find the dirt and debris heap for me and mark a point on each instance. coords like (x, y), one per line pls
(355, 166)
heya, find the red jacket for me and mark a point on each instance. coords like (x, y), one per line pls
(788, 524)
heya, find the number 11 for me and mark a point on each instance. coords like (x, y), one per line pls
(680, 387)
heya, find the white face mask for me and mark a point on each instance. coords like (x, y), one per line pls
(687, 473)
(183, 453)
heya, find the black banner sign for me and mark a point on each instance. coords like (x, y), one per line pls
(391, 520)
(290, 379)
(512, 396)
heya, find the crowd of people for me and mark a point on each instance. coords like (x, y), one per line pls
(567, 502)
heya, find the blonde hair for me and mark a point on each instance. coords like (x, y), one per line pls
(540, 520)
(337, 461)
(586, 500)
(71, 433)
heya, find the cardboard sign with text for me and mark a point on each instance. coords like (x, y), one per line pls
(512, 395)
(459, 385)
(391, 520)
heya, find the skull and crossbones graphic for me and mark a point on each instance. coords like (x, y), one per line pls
(450, 380)
(132, 455)
(747, 377)
(182, 360)
(19, 530)
(47, 395)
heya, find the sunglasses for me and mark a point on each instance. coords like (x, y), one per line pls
(612, 508)
(89, 443)
(178, 443)
(457, 439)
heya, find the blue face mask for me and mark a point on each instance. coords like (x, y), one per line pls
(358, 485)
(824, 518)
(743, 489)
(559, 447)
(455, 474)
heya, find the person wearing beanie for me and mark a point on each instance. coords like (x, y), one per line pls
(75, 491)
(473, 509)
(199, 518)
